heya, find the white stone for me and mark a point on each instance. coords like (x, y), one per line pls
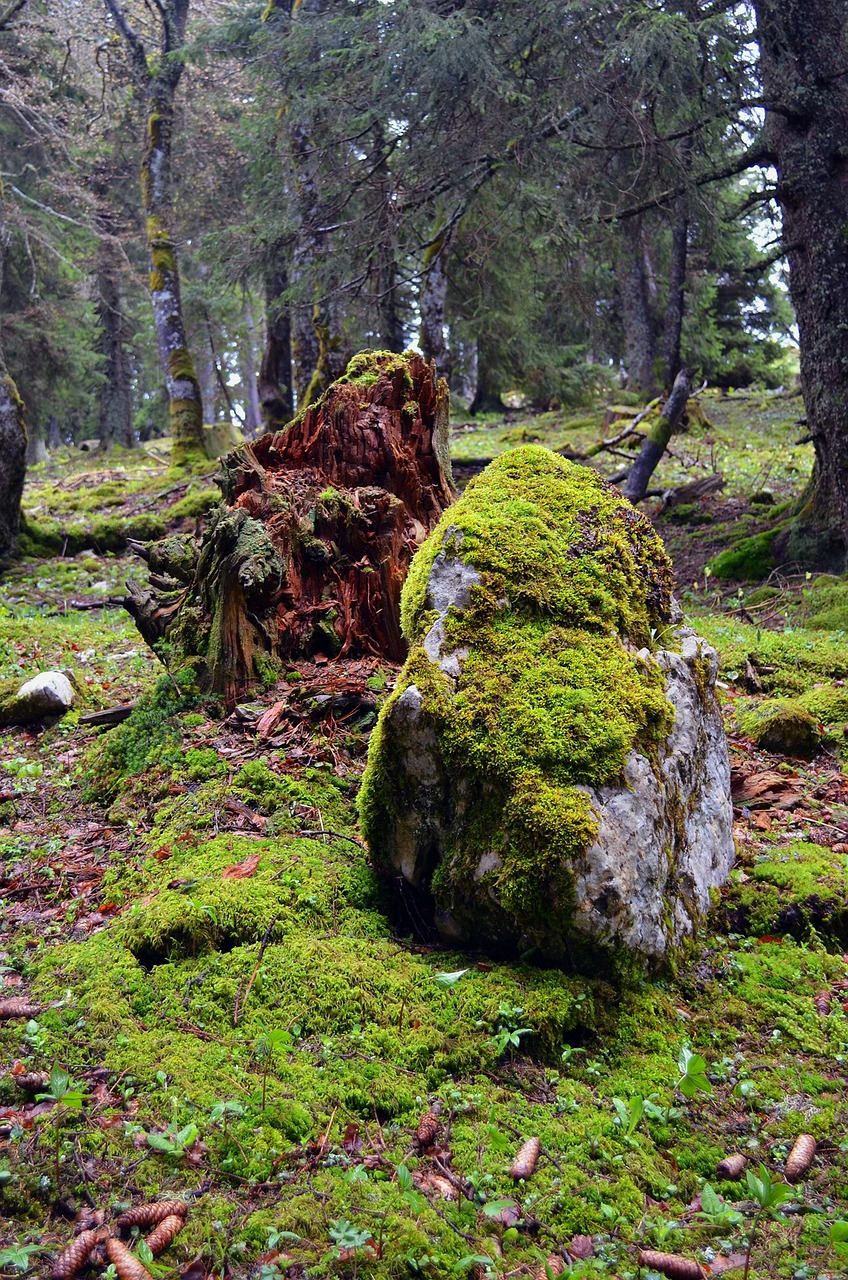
(48, 694)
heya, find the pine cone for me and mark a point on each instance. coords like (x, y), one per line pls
(553, 1265)
(18, 1007)
(428, 1129)
(800, 1157)
(524, 1164)
(31, 1081)
(127, 1267)
(74, 1255)
(161, 1236)
(668, 1264)
(147, 1215)
(731, 1167)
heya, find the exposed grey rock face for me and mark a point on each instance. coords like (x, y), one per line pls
(48, 694)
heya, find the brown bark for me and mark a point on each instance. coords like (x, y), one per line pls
(803, 57)
(656, 441)
(640, 347)
(13, 447)
(320, 523)
(276, 388)
(433, 305)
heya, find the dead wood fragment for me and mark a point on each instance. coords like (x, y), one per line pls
(800, 1157)
(731, 1167)
(75, 1254)
(148, 1215)
(110, 715)
(671, 1265)
(524, 1164)
(167, 1230)
(18, 1007)
(127, 1267)
(308, 552)
(428, 1130)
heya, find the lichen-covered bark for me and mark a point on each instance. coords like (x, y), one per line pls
(13, 445)
(319, 528)
(116, 416)
(803, 56)
(657, 439)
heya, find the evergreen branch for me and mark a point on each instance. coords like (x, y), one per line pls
(13, 9)
(757, 155)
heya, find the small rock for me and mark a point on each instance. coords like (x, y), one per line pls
(784, 726)
(48, 694)
(762, 498)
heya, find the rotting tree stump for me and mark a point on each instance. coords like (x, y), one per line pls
(310, 548)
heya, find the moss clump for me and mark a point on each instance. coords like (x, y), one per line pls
(749, 560)
(551, 698)
(196, 503)
(827, 600)
(782, 725)
(44, 537)
(828, 703)
(794, 889)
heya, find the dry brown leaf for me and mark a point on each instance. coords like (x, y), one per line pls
(127, 1267)
(524, 1164)
(242, 870)
(800, 1157)
(581, 1247)
(731, 1262)
(671, 1265)
(553, 1265)
(162, 1235)
(74, 1255)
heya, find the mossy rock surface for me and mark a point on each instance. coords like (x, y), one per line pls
(535, 704)
(799, 889)
(782, 725)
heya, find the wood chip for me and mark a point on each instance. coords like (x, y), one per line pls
(671, 1265)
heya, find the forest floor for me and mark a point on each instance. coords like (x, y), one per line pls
(202, 997)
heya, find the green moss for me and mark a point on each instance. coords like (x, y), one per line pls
(196, 503)
(799, 889)
(782, 725)
(43, 537)
(749, 560)
(827, 602)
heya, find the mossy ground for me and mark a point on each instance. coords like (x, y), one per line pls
(329, 1044)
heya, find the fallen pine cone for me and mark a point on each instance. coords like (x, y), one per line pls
(668, 1264)
(18, 1007)
(552, 1266)
(800, 1157)
(161, 1236)
(127, 1267)
(74, 1255)
(428, 1129)
(731, 1167)
(30, 1081)
(147, 1215)
(821, 1003)
(524, 1164)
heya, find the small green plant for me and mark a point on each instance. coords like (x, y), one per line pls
(17, 1256)
(24, 773)
(507, 1033)
(629, 1114)
(347, 1238)
(222, 1111)
(68, 1099)
(174, 1143)
(716, 1211)
(769, 1194)
(838, 1238)
(264, 1048)
(693, 1079)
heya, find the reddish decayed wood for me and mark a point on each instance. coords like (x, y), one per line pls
(800, 1157)
(161, 1236)
(147, 1215)
(127, 1267)
(75, 1254)
(524, 1164)
(731, 1167)
(671, 1265)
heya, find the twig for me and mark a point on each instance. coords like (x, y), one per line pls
(314, 835)
(194, 982)
(262, 947)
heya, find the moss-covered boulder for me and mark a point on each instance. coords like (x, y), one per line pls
(551, 772)
(46, 696)
(782, 725)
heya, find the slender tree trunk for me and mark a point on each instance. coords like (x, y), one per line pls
(487, 397)
(116, 414)
(13, 448)
(247, 370)
(157, 87)
(656, 441)
(640, 348)
(673, 326)
(276, 388)
(803, 61)
(433, 305)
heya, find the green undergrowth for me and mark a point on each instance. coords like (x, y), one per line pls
(797, 888)
(787, 662)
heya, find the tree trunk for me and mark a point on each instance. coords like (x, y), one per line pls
(433, 305)
(320, 524)
(13, 448)
(116, 414)
(276, 388)
(640, 348)
(656, 441)
(247, 370)
(803, 60)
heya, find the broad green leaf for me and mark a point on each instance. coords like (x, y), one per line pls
(445, 980)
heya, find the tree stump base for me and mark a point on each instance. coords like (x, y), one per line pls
(319, 524)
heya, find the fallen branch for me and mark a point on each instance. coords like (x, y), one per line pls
(110, 715)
